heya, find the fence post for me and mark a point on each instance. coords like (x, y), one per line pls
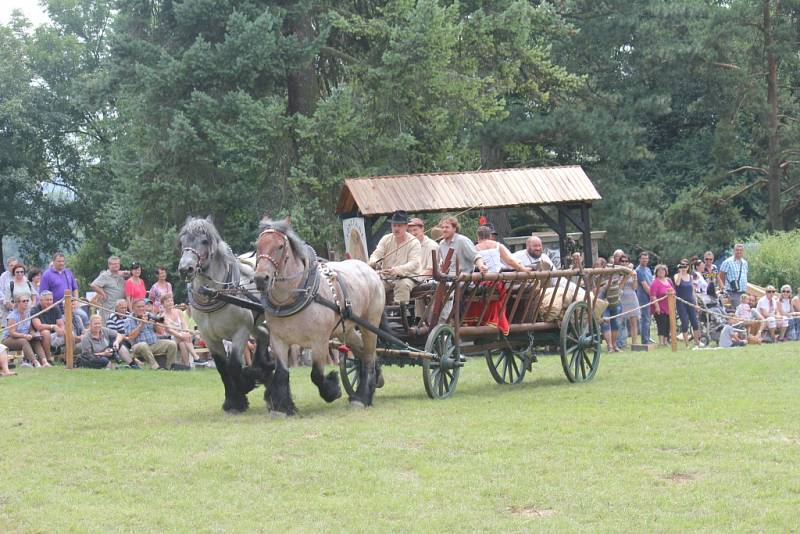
(673, 323)
(69, 342)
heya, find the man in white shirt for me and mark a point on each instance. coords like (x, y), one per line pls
(533, 255)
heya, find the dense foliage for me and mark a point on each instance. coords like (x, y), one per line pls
(121, 117)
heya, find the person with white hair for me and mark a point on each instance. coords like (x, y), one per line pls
(768, 307)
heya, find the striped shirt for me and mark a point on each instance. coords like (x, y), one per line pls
(116, 322)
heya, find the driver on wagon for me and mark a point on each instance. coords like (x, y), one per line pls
(397, 258)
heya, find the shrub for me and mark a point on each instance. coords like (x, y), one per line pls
(774, 258)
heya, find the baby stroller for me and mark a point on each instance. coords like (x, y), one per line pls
(711, 325)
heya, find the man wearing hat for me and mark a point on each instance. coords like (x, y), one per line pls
(397, 258)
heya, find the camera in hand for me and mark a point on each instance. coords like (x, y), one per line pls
(156, 318)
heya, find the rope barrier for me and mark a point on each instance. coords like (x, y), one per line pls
(607, 319)
(734, 317)
(31, 317)
(146, 321)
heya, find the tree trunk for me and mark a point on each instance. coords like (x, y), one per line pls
(302, 83)
(775, 218)
(492, 157)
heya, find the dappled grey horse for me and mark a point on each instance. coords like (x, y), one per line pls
(208, 263)
(307, 303)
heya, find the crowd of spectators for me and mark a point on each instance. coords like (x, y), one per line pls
(132, 326)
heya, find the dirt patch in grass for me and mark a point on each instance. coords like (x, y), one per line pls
(530, 511)
(681, 478)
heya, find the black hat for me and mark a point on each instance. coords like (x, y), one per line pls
(399, 217)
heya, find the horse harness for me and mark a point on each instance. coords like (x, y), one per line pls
(308, 289)
(210, 304)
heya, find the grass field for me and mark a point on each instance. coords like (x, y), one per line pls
(698, 440)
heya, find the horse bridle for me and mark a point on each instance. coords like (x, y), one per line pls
(200, 258)
(284, 257)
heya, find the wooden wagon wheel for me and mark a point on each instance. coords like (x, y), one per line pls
(580, 345)
(441, 375)
(350, 371)
(506, 365)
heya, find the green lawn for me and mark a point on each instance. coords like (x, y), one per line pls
(697, 440)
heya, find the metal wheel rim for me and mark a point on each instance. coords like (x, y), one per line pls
(441, 377)
(350, 371)
(580, 348)
(506, 366)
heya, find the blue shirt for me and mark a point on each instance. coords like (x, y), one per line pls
(735, 271)
(644, 274)
(13, 317)
(147, 335)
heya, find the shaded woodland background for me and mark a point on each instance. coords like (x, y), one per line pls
(121, 117)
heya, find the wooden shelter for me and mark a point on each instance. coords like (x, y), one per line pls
(558, 195)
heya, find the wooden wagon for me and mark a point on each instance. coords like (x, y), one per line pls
(544, 309)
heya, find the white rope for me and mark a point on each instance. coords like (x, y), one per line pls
(607, 319)
(734, 317)
(30, 318)
(146, 321)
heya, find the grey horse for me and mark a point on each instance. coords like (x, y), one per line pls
(207, 262)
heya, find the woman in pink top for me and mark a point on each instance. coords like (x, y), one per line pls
(159, 289)
(134, 286)
(661, 284)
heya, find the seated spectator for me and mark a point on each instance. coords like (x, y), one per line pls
(49, 323)
(427, 245)
(116, 321)
(20, 335)
(768, 308)
(795, 320)
(17, 285)
(98, 346)
(732, 337)
(80, 313)
(4, 370)
(159, 289)
(752, 319)
(134, 286)
(785, 309)
(173, 320)
(143, 338)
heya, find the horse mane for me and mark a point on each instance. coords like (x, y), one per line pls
(202, 226)
(299, 248)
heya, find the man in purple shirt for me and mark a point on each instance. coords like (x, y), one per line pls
(58, 279)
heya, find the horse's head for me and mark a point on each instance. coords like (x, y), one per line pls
(199, 242)
(275, 246)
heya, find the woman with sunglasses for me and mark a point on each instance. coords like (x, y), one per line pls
(685, 301)
(709, 272)
(785, 309)
(20, 336)
(17, 286)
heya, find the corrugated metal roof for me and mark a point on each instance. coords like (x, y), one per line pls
(496, 188)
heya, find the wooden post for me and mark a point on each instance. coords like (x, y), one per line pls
(673, 323)
(69, 342)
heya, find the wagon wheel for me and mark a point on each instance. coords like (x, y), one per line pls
(350, 370)
(580, 345)
(441, 375)
(507, 366)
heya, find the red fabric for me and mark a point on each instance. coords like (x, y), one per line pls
(495, 310)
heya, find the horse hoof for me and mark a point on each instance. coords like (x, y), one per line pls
(235, 405)
(357, 405)
(379, 381)
(278, 415)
